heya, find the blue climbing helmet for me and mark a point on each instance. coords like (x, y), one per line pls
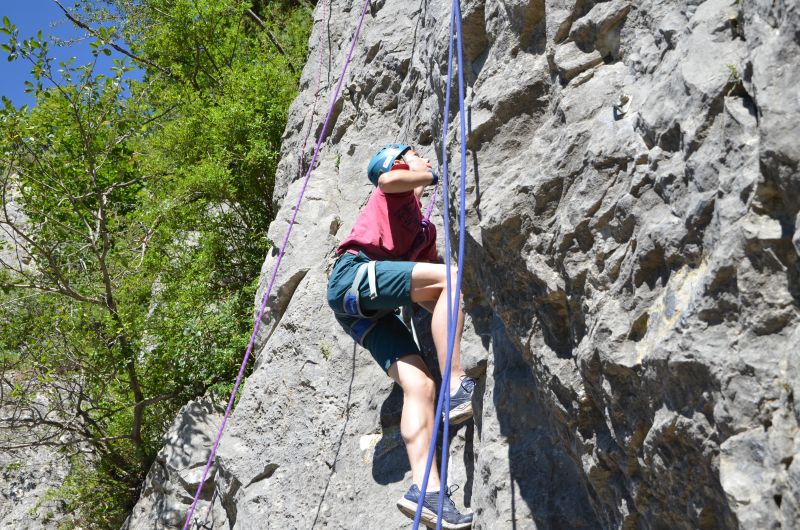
(383, 160)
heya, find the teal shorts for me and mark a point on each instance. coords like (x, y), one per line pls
(390, 339)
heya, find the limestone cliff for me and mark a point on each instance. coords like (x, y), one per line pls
(632, 277)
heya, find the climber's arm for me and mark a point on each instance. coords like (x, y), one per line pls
(418, 175)
(400, 180)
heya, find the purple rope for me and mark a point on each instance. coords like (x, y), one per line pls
(433, 200)
(275, 270)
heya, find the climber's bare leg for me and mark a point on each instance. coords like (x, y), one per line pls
(416, 422)
(429, 289)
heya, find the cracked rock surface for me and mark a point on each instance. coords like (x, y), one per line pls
(632, 278)
(27, 475)
(173, 478)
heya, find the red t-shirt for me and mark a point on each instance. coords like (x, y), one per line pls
(391, 228)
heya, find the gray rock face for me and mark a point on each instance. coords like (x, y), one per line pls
(26, 476)
(29, 472)
(631, 280)
(173, 479)
(12, 254)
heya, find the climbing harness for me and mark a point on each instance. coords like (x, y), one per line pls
(351, 299)
(365, 322)
(275, 270)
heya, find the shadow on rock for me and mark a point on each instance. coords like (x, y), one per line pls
(389, 460)
(542, 473)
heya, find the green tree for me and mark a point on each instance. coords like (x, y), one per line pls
(137, 215)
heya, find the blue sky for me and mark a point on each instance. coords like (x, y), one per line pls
(30, 16)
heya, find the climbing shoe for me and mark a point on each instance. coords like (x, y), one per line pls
(461, 402)
(452, 519)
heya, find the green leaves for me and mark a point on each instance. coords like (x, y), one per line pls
(148, 203)
(11, 47)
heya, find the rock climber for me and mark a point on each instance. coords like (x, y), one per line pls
(390, 260)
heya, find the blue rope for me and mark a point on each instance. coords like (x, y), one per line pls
(437, 414)
(462, 214)
(452, 313)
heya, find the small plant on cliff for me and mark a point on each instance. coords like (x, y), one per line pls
(325, 350)
(735, 84)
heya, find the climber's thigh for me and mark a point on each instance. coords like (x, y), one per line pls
(429, 279)
(411, 373)
(393, 284)
(390, 340)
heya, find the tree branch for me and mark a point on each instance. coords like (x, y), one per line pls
(162, 397)
(272, 39)
(66, 292)
(112, 44)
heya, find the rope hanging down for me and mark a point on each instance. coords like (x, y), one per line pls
(275, 270)
(452, 312)
(301, 163)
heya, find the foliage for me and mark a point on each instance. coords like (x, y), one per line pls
(88, 485)
(139, 211)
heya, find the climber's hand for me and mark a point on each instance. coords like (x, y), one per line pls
(415, 162)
